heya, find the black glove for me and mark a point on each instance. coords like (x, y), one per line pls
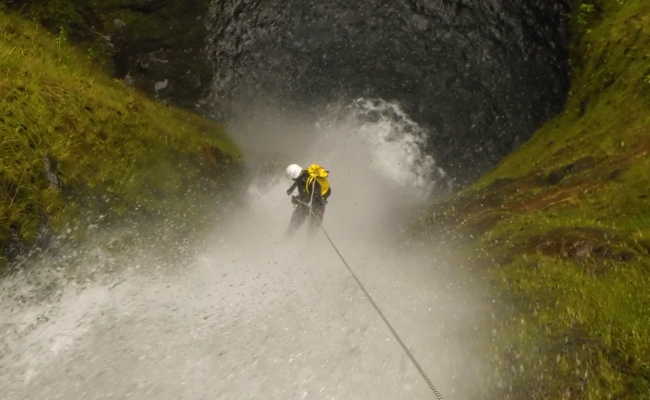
(289, 191)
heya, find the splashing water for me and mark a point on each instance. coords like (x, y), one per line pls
(247, 313)
(396, 144)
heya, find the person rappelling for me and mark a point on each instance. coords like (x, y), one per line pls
(313, 192)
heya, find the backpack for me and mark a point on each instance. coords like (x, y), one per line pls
(316, 173)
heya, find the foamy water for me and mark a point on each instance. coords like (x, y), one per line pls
(249, 313)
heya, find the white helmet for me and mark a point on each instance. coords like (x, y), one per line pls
(294, 171)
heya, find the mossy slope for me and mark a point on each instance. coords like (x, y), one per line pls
(562, 226)
(72, 137)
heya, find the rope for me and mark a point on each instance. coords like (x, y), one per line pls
(416, 364)
(399, 340)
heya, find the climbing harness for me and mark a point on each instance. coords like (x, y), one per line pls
(392, 330)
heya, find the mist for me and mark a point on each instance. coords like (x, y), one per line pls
(248, 312)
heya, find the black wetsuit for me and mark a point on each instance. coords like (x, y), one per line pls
(302, 201)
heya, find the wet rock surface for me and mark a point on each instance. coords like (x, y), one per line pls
(160, 49)
(155, 45)
(480, 76)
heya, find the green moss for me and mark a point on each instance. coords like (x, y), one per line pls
(69, 133)
(583, 337)
(563, 224)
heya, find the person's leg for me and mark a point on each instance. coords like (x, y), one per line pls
(318, 211)
(297, 218)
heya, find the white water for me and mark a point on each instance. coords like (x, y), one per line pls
(247, 314)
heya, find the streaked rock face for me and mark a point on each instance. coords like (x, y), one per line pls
(479, 75)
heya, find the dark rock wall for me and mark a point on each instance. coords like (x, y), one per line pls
(480, 75)
(160, 49)
(155, 45)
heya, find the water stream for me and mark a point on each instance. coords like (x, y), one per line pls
(248, 313)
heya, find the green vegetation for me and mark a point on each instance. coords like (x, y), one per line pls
(72, 138)
(562, 226)
(71, 19)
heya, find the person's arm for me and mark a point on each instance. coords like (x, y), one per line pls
(328, 194)
(292, 188)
